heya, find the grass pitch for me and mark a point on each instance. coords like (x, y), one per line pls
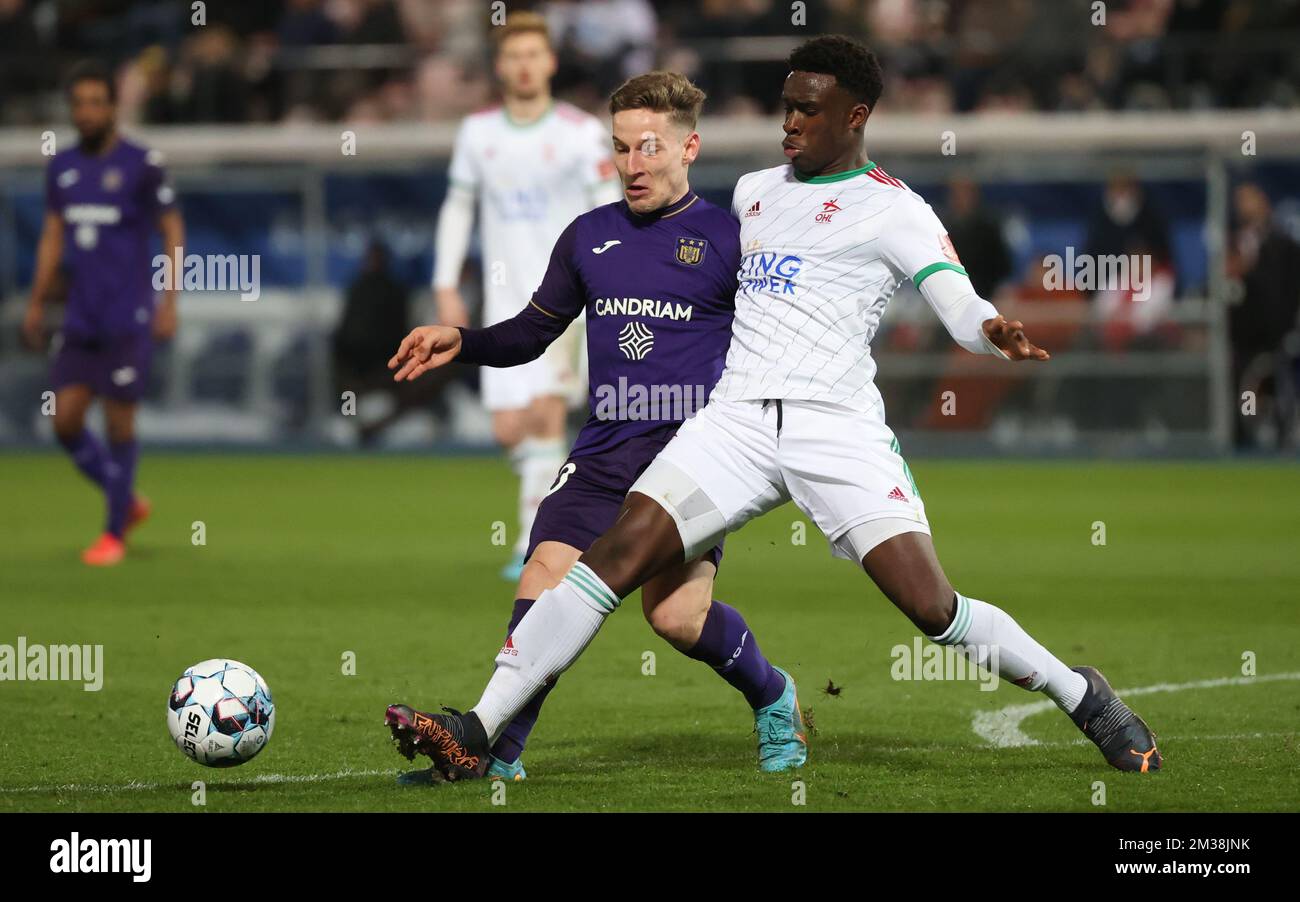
(391, 558)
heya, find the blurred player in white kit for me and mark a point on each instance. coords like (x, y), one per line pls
(532, 165)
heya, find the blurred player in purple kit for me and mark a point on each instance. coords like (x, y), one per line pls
(104, 199)
(656, 275)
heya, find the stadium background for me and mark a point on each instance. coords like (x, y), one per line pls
(1011, 117)
(313, 552)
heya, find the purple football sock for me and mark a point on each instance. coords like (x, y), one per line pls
(88, 454)
(727, 645)
(121, 484)
(510, 744)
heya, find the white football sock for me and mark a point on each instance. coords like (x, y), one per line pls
(981, 630)
(536, 460)
(549, 638)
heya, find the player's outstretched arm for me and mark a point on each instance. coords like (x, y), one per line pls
(973, 322)
(523, 337)
(510, 342)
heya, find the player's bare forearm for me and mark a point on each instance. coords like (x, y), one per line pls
(172, 229)
(452, 310)
(1009, 337)
(49, 252)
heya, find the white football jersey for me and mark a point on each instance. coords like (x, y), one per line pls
(531, 180)
(820, 259)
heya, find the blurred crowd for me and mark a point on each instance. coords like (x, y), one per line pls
(396, 60)
(1263, 316)
(429, 60)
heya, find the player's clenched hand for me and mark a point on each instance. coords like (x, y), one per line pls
(1009, 336)
(426, 348)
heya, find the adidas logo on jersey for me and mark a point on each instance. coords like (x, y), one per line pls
(897, 494)
(755, 210)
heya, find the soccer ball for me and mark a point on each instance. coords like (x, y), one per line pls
(220, 713)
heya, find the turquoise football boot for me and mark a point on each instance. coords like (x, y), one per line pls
(782, 743)
(513, 570)
(499, 770)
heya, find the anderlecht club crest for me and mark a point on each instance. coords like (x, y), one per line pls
(691, 250)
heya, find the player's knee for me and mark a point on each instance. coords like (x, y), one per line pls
(507, 434)
(68, 423)
(671, 624)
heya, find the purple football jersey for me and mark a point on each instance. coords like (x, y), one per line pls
(659, 294)
(110, 206)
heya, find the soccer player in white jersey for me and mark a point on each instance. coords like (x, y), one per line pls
(825, 241)
(531, 165)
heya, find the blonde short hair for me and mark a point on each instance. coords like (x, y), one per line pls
(661, 92)
(520, 23)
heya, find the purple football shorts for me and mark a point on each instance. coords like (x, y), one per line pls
(589, 490)
(113, 367)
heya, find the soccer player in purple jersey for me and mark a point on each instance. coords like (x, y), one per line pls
(796, 416)
(103, 200)
(656, 274)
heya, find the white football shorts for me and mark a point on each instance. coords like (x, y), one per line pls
(736, 460)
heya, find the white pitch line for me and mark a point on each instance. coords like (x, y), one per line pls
(1083, 740)
(137, 786)
(1001, 728)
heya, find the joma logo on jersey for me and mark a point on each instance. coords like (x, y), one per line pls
(767, 271)
(829, 208)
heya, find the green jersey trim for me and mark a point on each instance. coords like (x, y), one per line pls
(835, 177)
(934, 268)
(550, 108)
